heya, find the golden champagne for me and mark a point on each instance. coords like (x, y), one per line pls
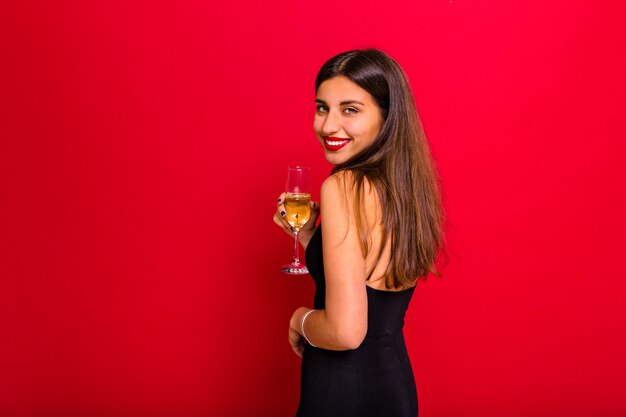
(297, 206)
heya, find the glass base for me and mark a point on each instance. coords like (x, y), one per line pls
(295, 269)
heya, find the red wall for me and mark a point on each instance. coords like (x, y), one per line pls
(143, 145)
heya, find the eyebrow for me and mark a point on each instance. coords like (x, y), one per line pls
(317, 100)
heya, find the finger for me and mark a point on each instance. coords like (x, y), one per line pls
(280, 205)
(281, 222)
(281, 214)
(281, 211)
(315, 212)
(277, 220)
(295, 345)
(298, 350)
(281, 198)
(281, 218)
(295, 350)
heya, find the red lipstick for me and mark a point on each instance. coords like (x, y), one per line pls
(334, 144)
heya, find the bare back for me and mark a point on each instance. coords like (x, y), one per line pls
(371, 212)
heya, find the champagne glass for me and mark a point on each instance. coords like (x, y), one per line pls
(298, 211)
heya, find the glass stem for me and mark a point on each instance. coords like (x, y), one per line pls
(296, 257)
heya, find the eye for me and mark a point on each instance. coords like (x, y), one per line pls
(320, 108)
(351, 110)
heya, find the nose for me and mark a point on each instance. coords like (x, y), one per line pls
(332, 123)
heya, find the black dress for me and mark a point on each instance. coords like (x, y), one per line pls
(374, 380)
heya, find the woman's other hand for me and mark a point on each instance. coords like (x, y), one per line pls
(296, 341)
(307, 230)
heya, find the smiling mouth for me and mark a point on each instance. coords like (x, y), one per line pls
(334, 144)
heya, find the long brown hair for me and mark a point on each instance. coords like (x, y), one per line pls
(398, 165)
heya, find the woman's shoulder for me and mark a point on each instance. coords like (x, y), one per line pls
(334, 190)
(338, 178)
(345, 182)
(340, 190)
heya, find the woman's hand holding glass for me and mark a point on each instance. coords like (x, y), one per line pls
(294, 211)
(306, 231)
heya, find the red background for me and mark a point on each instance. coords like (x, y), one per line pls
(143, 146)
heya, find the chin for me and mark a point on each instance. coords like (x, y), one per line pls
(334, 159)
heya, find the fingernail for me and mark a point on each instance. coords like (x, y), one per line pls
(282, 213)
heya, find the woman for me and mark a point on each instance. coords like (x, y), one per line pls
(382, 222)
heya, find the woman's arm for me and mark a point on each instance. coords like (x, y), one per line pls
(343, 324)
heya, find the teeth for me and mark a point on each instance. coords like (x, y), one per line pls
(335, 142)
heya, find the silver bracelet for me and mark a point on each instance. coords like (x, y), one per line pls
(302, 327)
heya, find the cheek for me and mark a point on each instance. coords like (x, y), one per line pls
(367, 132)
(359, 128)
(318, 120)
(374, 129)
(317, 125)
